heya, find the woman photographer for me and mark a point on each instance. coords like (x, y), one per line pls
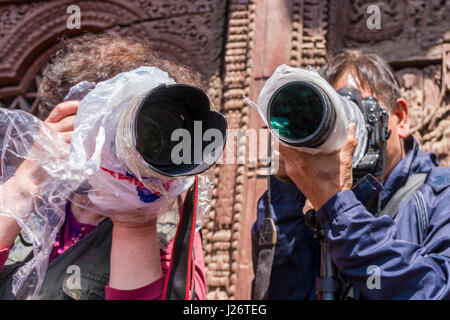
(117, 260)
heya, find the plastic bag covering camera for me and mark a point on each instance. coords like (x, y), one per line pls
(101, 163)
(345, 112)
(39, 158)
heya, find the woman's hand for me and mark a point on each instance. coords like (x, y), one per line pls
(18, 192)
(62, 119)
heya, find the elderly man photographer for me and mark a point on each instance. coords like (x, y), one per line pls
(409, 249)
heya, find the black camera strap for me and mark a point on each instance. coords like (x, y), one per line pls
(267, 242)
(179, 283)
(385, 133)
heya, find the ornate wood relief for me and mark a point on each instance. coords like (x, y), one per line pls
(223, 229)
(190, 30)
(315, 28)
(414, 37)
(24, 100)
(418, 26)
(427, 92)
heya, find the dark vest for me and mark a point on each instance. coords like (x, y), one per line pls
(90, 256)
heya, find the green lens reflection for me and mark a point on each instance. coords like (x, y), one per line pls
(296, 111)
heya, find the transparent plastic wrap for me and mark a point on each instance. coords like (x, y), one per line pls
(168, 222)
(111, 159)
(34, 188)
(346, 111)
(205, 190)
(101, 168)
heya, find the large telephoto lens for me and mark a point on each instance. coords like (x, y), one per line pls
(301, 115)
(166, 109)
(156, 122)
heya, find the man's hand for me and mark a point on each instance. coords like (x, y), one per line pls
(321, 176)
(62, 119)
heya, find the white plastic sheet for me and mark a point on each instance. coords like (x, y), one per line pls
(109, 157)
(345, 112)
(34, 187)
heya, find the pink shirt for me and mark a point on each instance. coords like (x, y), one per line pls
(72, 231)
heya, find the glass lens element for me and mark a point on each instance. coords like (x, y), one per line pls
(155, 125)
(296, 111)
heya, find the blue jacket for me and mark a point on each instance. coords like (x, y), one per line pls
(412, 253)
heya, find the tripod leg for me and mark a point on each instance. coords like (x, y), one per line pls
(329, 285)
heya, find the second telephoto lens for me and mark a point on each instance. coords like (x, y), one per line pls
(300, 114)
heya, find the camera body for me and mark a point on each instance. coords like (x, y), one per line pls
(376, 121)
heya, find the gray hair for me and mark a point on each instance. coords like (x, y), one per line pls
(372, 72)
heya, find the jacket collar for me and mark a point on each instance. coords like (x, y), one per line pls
(415, 161)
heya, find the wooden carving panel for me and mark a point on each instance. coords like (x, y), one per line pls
(224, 234)
(414, 38)
(315, 29)
(190, 30)
(417, 27)
(428, 111)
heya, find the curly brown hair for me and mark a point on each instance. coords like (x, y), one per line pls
(98, 57)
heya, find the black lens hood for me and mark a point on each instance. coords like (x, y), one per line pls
(199, 105)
